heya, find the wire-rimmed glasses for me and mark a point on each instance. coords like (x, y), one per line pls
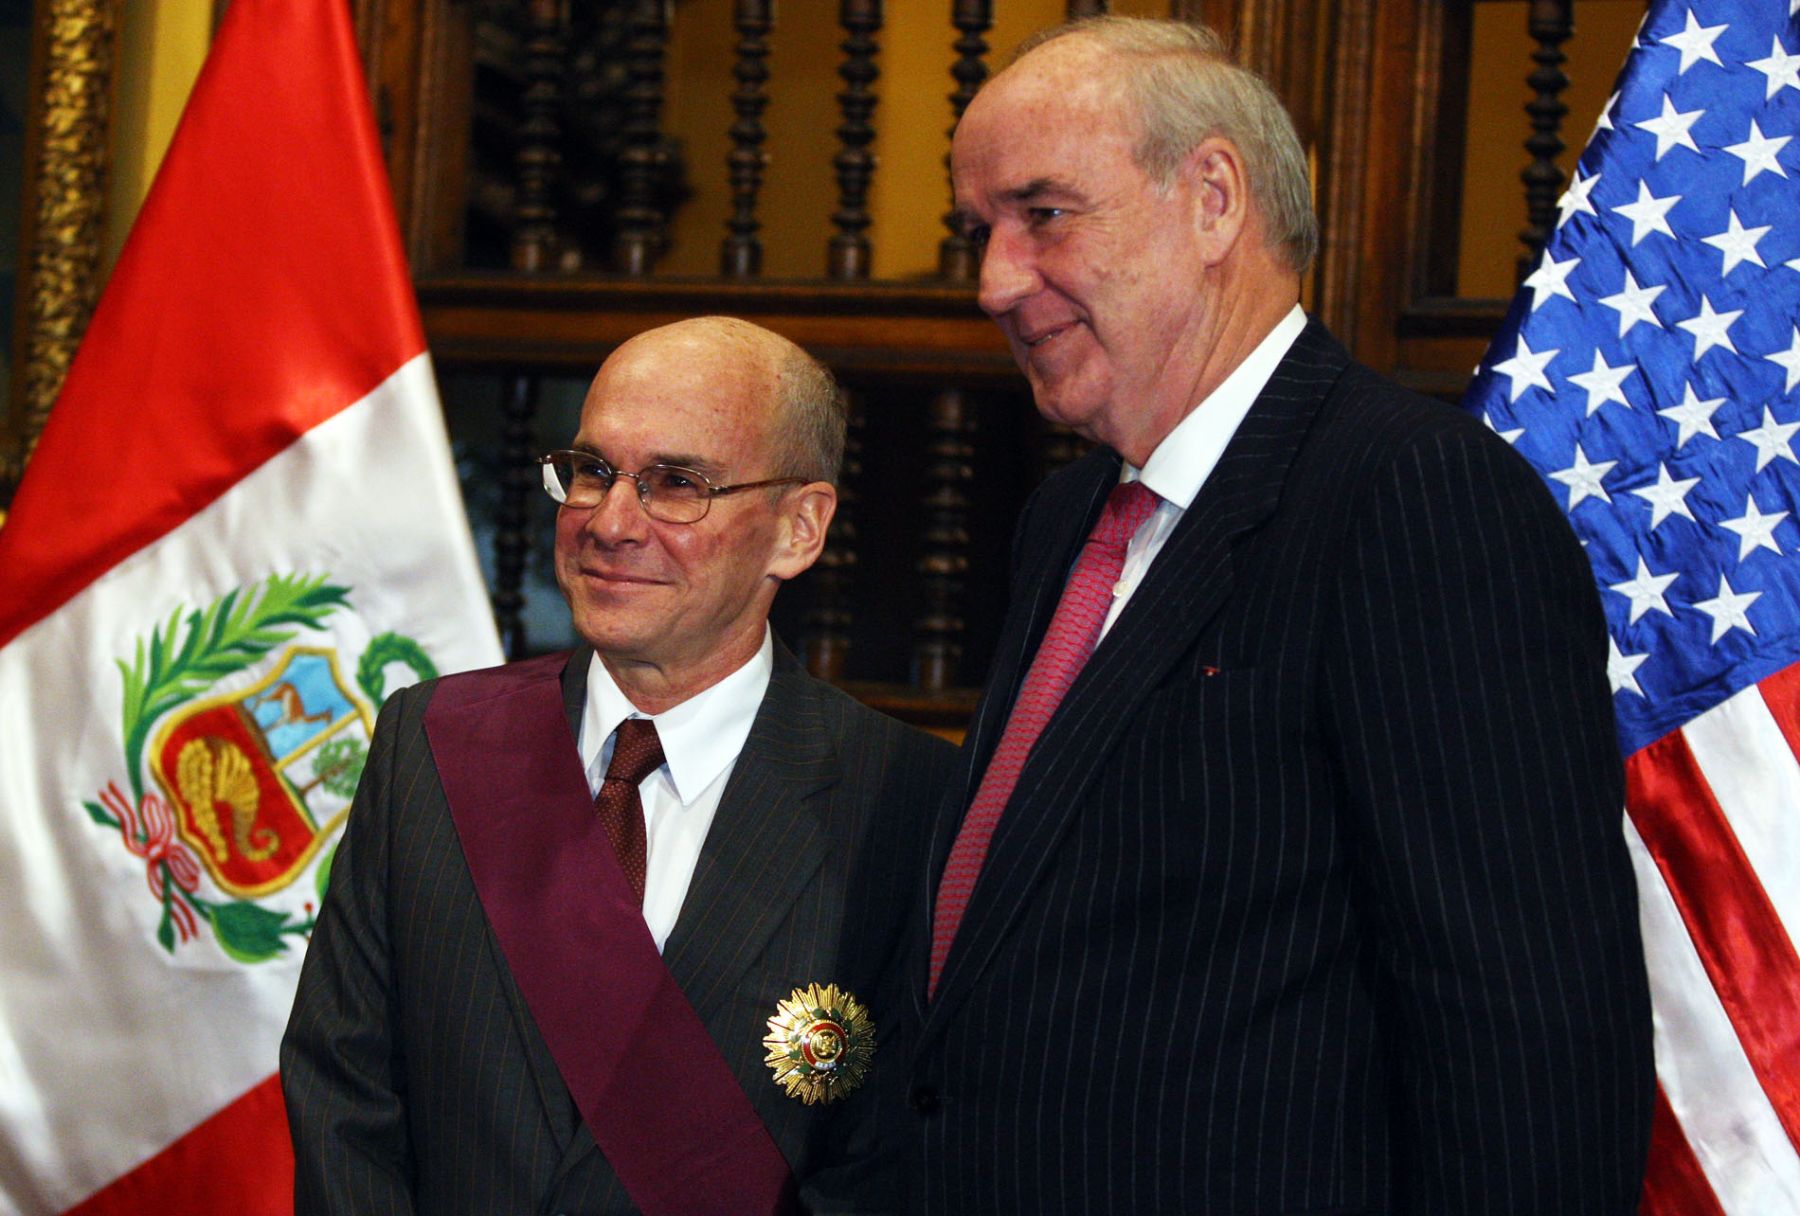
(670, 493)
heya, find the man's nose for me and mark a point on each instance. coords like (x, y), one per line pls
(619, 515)
(1007, 273)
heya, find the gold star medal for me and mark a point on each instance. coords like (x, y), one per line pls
(820, 1043)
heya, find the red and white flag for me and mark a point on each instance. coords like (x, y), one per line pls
(240, 531)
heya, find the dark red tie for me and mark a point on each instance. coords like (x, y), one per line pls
(637, 753)
(1069, 640)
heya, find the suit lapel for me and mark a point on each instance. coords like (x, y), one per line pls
(572, 935)
(574, 688)
(1072, 502)
(762, 849)
(559, 1107)
(766, 841)
(1039, 584)
(537, 752)
(1186, 586)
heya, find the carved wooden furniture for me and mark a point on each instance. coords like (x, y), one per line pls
(535, 185)
(944, 446)
(70, 96)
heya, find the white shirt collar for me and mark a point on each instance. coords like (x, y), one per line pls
(700, 737)
(1181, 463)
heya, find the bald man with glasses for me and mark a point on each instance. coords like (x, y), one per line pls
(603, 934)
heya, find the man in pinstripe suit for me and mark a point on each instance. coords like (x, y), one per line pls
(1311, 895)
(506, 1008)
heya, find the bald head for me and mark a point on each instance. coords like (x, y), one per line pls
(670, 600)
(807, 410)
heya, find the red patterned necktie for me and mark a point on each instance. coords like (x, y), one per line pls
(1067, 643)
(637, 752)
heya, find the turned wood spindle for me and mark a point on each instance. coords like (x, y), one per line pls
(944, 559)
(519, 479)
(1551, 22)
(641, 224)
(849, 254)
(741, 255)
(539, 158)
(957, 260)
(825, 626)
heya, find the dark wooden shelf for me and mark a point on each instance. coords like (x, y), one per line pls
(931, 331)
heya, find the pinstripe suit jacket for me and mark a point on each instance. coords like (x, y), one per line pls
(415, 1078)
(1313, 895)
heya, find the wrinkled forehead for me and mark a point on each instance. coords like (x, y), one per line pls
(1034, 132)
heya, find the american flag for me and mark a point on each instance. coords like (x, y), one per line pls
(1648, 369)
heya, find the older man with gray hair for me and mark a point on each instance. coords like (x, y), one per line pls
(1284, 871)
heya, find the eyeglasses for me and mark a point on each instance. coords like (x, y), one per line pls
(674, 495)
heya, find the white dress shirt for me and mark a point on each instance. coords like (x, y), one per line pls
(701, 739)
(1182, 462)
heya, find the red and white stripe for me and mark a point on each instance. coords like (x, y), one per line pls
(1713, 812)
(253, 397)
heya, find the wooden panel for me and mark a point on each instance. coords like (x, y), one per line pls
(921, 330)
(1376, 88)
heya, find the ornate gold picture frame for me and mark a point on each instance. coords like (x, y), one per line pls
(62, 187)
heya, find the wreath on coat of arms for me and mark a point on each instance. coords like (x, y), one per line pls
(245, 788)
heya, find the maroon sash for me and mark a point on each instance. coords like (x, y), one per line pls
(656, 1092)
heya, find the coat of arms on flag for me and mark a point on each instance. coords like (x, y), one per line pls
(232, 790)
(194, 648)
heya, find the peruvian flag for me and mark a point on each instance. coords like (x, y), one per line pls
(240, 531)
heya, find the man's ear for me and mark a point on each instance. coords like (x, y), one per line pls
(1214, 174)
(806, 513)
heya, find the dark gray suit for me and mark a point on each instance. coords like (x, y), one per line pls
(1312, 897)
(414, 1075)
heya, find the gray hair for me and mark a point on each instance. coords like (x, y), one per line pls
(809, 433)
(1187, 88)
(808, 411)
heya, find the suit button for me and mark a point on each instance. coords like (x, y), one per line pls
(925, 1100)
